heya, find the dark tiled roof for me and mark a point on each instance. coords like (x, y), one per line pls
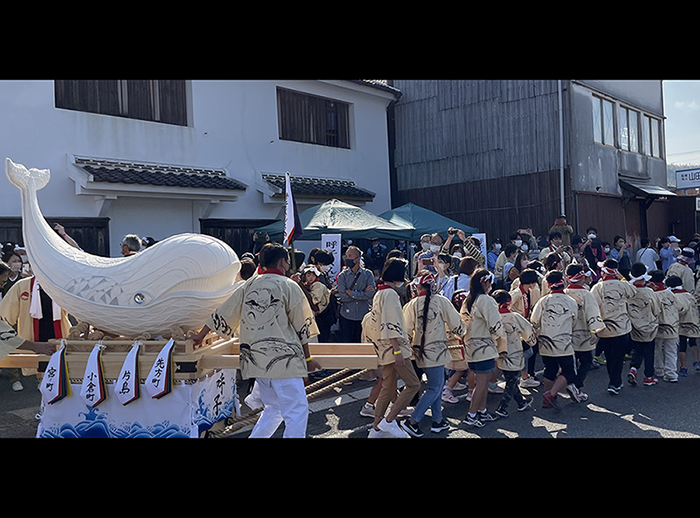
(319, 186)
(166, 176)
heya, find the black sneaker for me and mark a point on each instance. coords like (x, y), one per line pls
(473, 421)
(527, 403)
(613, 390)
(410, 429)
(501, 412)
(439, 427)
(486, 416)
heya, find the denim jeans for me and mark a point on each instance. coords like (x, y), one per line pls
(432, 397)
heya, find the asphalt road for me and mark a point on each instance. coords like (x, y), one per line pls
(663, 411)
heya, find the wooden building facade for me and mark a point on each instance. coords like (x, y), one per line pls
(501, 155)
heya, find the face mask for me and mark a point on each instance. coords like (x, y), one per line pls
(497, 246)
(524, 248)
(607, 250)
(324, 268)
(517, 243)
(425, 246)
(16, 267)
(591, 236)
(350, 263)
(434, 248)
(458, 255)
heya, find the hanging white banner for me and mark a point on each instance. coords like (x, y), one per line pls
(127, 386)
(54, 384)
(160, 379)
(93, 390)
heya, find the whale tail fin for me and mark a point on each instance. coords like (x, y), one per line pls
(24, 178)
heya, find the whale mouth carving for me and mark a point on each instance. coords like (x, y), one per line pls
(178, 282)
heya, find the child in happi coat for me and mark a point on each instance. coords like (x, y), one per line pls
(666, 342)
(588, 323)
(384, 326)
(524, 296)
(612, 294)
(485, 339)
(643, 308)
(553, 318)
(427, 316)
(511, 362)
(688, 325)
(458, 355)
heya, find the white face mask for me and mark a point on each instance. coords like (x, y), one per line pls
(591, 236)
(435, 248)
(324, 268)
(607, 249)
(524, 248)
(458, 255)
(497, 246)
(425, 246)
(518, 242)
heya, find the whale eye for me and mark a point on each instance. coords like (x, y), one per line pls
(139, 298)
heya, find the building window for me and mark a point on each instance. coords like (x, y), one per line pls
(313, 120)
(156, 100)
(603, 121)
(651, 134)
(629, 129)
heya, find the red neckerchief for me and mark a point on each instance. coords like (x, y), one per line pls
(526, 300)
(657, 286)
(382, 286)
(609, 278)
(557, 291)
(640, 284)
(678, 290)
(576, 287)
(504, 308)
(274, 271)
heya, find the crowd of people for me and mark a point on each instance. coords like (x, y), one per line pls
(443, 319)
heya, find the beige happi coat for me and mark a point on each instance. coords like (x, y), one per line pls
(9, 341)
(483, 324)
(517, 330)
(274, 321)
(441, 315)
(588, 320)
(669, 319)
(688, 315)
(553, 318)
(612, 296)
(383, 322)
(14, 308)
(643, 310)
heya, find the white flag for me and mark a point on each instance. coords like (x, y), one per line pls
(292, 225)
(93, 390)
(127, 387)
(159, 381)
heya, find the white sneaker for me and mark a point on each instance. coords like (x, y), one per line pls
(494, 388)
(459, 386)
(253, 401)
(377, 434)
(367, 410)
(448, 396)
(17, 386)
(406, 412)
(529, 383)
(393, 429)
(469, 394)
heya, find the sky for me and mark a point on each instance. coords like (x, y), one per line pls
(682, 110)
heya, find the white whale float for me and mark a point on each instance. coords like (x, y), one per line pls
(178, 282)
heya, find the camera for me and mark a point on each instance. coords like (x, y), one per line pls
(452, 231)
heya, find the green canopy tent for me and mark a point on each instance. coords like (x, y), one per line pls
(424, 221)
(337, 217)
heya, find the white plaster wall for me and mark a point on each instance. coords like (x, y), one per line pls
(234, 126)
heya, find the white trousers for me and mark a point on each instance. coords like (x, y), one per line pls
(284, 401)
(666, 357)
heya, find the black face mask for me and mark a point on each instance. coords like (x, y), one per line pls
(350, 263)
